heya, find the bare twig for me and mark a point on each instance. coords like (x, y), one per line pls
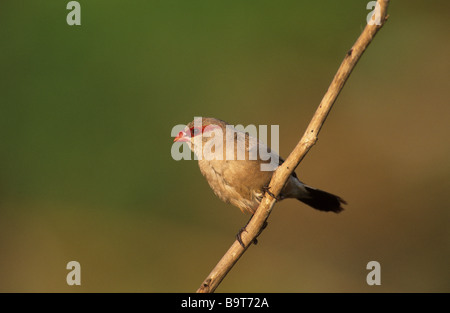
(281, 175)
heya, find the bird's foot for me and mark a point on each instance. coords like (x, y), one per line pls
(238, 236)
(255, 241)
(266, 189)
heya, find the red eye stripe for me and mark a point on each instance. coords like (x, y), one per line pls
(196, 130)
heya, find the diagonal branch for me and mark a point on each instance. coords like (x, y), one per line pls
(281, 175)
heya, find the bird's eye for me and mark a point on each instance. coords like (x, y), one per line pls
(195, 131)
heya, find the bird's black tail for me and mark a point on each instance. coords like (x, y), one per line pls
(321, 200)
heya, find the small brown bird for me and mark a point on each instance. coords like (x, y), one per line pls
(229, 160)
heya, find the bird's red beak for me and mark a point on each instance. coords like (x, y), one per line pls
(181, 137)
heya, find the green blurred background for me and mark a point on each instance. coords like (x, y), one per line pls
(86, 172)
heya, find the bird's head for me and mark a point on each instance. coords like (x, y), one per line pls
(200, 131)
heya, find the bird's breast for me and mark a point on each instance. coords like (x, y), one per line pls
(226, 180)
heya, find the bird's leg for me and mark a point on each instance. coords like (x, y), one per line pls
(255, 241)
(266, 189)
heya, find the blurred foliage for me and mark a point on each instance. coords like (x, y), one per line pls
(86, 172)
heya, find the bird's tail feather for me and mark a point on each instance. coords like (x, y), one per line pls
(321, 200)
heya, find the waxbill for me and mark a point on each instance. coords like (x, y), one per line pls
(226, 158)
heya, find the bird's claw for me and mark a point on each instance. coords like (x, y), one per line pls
(266, 189)
(255, 240)
(238, 236)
